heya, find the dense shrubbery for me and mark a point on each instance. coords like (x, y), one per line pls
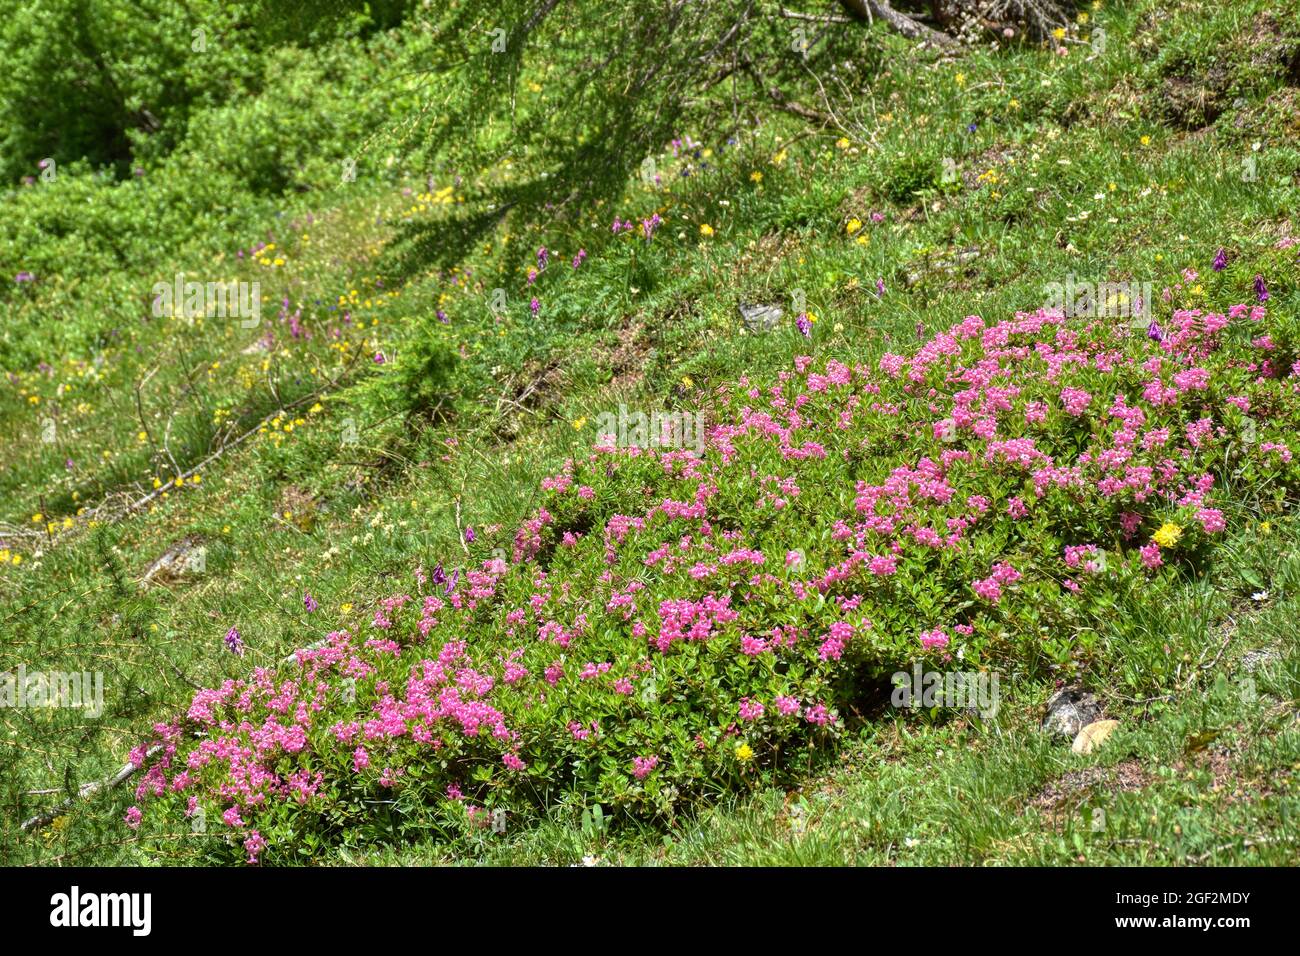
(671, 626)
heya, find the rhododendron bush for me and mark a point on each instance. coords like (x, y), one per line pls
(673, 626)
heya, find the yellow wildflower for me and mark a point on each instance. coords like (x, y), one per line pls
(1168, 535)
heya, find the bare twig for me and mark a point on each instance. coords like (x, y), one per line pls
(1245, 844)
(813, 17)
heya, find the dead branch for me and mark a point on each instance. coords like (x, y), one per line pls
(900, 22)
(812, 17)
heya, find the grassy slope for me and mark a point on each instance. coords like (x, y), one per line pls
(1054, 137)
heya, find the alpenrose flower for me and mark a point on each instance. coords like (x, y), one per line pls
(940, 504)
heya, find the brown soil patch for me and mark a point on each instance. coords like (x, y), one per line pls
(1068, 792)
(627, 361)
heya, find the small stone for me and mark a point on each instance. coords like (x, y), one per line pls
(1254, 660)
(1069, 710)
(1093, 736)
(760, 318)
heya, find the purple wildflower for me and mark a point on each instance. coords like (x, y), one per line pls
(379, 358)
(804, 325)
(24, 277)
(577, 260)
(309, 602)
(469, 534)
(535, 305)
(1261, 290)
(1220, 260)
(234, 642)
(880, 288)
(1154, 332)
(439, 575)
(543, 257)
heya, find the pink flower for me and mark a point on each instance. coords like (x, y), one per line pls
(133, 817)
(750, 709)
(360, 759)
(641, 766)
(833, 644)
(512, 761)
(934, 638)
(1150, 554)
(1004, 573)
(1192, 379)
(1211, 520)
(883, 565)
(786, 706)
(817, 714)
(253, 845)
(1076, 400)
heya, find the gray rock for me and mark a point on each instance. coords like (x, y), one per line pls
(186, 558)
(760, 318)
(1254, 660)
(1069, 710)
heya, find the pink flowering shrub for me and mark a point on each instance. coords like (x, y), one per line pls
(653, 641)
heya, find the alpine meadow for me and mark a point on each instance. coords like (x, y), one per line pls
(649, 433)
